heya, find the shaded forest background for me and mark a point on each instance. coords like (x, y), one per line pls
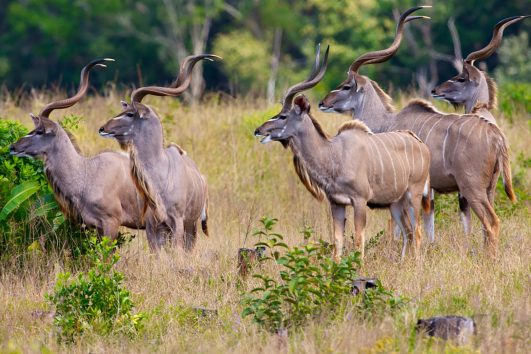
(265, 43)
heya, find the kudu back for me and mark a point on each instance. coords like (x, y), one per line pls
(166, 177)
(467, 151)
(95, 191)
(356, 167)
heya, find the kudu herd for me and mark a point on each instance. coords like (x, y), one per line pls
(467, 150)
(396, 177)
(384, 158)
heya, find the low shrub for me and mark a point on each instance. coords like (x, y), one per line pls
(94, 301)
(309, 284)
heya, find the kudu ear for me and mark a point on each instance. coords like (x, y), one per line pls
(301, 104)
(125, 105)
(471, 72)
(36, 120)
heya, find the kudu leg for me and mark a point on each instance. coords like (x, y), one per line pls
(464, 212)
(360, 220)
(397, 214)
(190, 235)
(489, 221)
(177, 233)
(338, 215)
(155, 235)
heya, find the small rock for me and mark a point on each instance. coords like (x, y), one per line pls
(42, 315)
(206, 313)
(456, 328)
(359, 285)
(248, 258)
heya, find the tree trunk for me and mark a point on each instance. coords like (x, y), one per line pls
(275, 61)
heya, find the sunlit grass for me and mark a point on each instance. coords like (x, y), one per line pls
(248, 180)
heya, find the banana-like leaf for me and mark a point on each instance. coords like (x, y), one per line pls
(19, 195)
(44, 208)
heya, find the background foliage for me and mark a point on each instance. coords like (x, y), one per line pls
(43, 43)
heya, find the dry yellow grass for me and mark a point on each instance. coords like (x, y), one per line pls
(248, 180)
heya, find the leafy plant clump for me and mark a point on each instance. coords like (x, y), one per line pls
(30, 218)
(309, 282)
(95, 301)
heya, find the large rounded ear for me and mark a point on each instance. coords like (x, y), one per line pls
(36, 120)
(301, 104)
(125, 105)
(472, 72)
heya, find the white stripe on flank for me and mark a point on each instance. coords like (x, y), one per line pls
(407, 157)
(459, 135)
(444, 143)
(427, 136)
(422, 127)
(390, 158)
(381, 161)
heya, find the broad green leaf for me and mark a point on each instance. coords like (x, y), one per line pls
(19, 195)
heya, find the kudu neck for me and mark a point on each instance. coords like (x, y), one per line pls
(65, 166)
(481, 95)
(149, 142)
(63, 153)
(373, 111)
(313, 148)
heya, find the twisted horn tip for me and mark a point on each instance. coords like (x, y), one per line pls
(109, 59)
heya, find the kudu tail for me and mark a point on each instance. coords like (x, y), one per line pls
(204, 218)
(428, 211)
(505, 163)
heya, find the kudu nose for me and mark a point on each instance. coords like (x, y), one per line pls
(101, 130)
(433, 92)
(256, 132)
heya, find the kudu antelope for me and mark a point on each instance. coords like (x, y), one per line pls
(467, 151)
(473, 88)
(355, 167)
(166, 177)
(96, 191)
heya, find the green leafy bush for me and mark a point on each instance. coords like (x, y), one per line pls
(30, 218)
(95, 301)
(514, 98)
(310, 282)
(377, 302)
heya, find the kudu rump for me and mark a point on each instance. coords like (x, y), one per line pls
(467, 151)
(96, 191)
(166, 177)
(473, 88)
(356, 167)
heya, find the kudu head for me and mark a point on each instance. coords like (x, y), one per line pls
(348, 96)
(472, 85)
(139, 119)
(42, 140)
(295, 112)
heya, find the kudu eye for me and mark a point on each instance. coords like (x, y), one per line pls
(130, 114)
(282, 116)
(347, 87)
(39, 132)
(461, 79)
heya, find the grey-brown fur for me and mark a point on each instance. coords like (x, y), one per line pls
(473, 88)
(355, 167)
(95, 191)
(166, 177)
(467, 151)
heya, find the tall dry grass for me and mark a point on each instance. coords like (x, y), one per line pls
(248, 180)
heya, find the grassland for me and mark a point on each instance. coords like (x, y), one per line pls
(248, 180)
